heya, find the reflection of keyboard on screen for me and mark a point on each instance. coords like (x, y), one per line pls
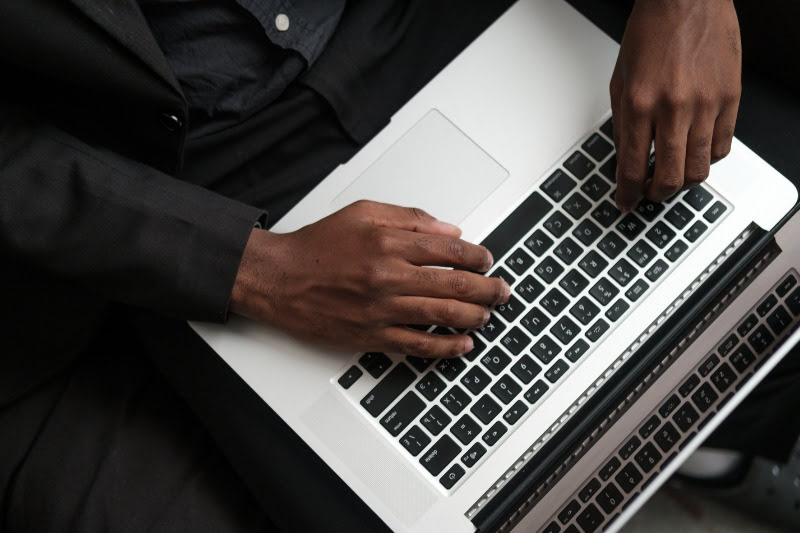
(576, 266)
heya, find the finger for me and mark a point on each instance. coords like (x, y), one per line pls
(407, 218)
(635, 135)
(698, 151)
(438, 250)
(439, 312)
(670, 143)
(456, 284)
(723, 132)
(615, 91)
(411, 342)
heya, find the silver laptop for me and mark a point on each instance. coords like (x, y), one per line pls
(511, 141)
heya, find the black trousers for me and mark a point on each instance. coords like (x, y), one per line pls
(148, 429)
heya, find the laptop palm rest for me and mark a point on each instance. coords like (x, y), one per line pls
(432, 161)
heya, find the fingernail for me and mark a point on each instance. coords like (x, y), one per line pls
(506, 291)
(485, 317)
(449, 227)
(489, 259)
(468, 345)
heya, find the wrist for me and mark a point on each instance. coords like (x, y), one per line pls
(254, 278)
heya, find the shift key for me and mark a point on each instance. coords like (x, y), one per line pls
(387, 391)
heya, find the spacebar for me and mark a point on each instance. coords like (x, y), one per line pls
(517, 225)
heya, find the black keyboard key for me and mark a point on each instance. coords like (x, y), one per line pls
(535, 321)
(649, 427)
(538, 242)
(608, 128)
(630, 226)
(708, 365)
(503, 274)
(779, 320)
(430, 385)
(557, 224)
(593, 264)
(669, 405)
(660, 234)
(569, 511)
(554, 302)
(536, 391)
(648, 457)
(388, 389)
(494, 433)
(584, 310)
(451, 368)
(637, 290)
(519, 261)
(728, 345)
(473, 455)
(496, 360)
(451, 477)
(685, 417)
(558, 185)
(420, 363)
(549, 270)
(676, 250)
(667, 437)
(604, 291)
(587, 232)
(742, 358)
(786, 285)
(609, 498)
(629, 447)
(415, 440)
(704, 397)
(517, 224)
(568, 251)
(767, 305)
(375, 363)
(590, 519)
(485, 409)
(556, 370)
(511, 309)
(694, 232)
(697, 197)
(606, 214)
(657, 270)
(439, 455)
(609, 169)
(579, 165)
(526, 369)
(628, 478)
(577, 350)
(465, 429)
(649, 210)
(478, 346)
(475, 380)
(641, 253)
(435, 420)
(506, 389)
(595, 187)
(597, 147)
(723, 378)
(577, 205)
(589, 490)
(609, 468)
(574, 283)
(611, 245)
(760, 339)
(689, 385)
(545, 349)
(515, 341)
(623, 272)
(746, 325)
(455, 400)
(565, 330)
(553, 527)
(402, 414)
(714, 212)
(529, 288)
(493, 328)
(351, 376)
(679, 215)
(793, 302)
(617, 310)
(597, 330)
(515, 412)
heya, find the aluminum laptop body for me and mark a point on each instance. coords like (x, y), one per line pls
(492, 139)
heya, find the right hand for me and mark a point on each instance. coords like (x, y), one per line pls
(356, 278)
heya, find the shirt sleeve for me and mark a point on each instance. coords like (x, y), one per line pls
(120, 228)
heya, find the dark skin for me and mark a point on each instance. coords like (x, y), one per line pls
(355, 279)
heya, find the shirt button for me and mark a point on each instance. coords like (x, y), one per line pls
(171, 121)
(282, 22)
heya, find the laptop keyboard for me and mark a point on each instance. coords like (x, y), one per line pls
(577, 267)
(685, 411)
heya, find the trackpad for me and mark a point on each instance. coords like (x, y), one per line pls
(434, 166)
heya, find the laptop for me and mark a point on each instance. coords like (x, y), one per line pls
(512, 142)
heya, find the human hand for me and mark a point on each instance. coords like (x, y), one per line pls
(354, 279)
(677, 80)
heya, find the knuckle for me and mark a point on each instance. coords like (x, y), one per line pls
(629, 177)
(447, 313)
(418, 214)
(676, 99)
(383, 240)
(720, 152)
(639, 101)
(459, 284)
(421, 345)
(670, 182)
(456, 250)
(694, 177)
